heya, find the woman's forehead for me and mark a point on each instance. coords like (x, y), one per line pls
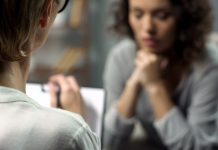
(150, 4)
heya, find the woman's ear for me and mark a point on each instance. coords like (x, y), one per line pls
(46, 15)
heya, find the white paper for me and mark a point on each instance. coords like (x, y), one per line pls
(93, 99)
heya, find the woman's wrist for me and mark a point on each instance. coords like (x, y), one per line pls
(128, 99)
(155, 87)
(160, 99)
(132, 82)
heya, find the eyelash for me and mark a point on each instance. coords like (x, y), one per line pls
(162, 15)
(138, 15)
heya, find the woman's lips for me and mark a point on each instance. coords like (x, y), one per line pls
(150, 42)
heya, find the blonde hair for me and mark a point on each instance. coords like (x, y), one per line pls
(19, 21)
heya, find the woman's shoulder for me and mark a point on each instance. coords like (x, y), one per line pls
(47, 124)
(124, 47)
(206, 67)
(68, 126)
(123, 53)
(59, 116)
(65, 123)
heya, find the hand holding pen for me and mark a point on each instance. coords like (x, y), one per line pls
(65, 93)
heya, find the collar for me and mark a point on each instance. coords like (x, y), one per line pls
(13, 95)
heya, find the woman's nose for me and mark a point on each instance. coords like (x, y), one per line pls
(148, 24)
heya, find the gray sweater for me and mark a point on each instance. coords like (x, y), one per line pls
(191, 125)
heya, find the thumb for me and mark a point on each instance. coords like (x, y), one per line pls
(53, 97)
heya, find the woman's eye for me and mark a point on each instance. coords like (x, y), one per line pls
(138, 14)
(162, 15)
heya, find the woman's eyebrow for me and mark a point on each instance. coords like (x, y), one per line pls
(135, 8)
(159, 8)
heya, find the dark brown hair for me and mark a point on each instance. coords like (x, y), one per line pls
(19, 21)
(18, 25)
(193, 26)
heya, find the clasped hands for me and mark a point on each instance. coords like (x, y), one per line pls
(149, 68)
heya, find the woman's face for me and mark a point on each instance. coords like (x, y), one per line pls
(153, 23)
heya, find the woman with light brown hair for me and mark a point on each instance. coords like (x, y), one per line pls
(25, 125)
(161, 76)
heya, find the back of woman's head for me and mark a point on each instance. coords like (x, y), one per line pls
(193, 26)
(19, 21)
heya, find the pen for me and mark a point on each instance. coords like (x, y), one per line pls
(58, 95)
(44, 88)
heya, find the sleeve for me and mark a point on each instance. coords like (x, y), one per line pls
(199, 131)
(117, 129)
(85, 139)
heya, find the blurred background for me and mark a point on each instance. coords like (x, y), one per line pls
(79, 42)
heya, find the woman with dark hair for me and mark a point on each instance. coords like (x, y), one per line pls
(24, 124)
(162, 76)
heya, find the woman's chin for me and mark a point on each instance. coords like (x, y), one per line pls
(154, 50)
(150, 49)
